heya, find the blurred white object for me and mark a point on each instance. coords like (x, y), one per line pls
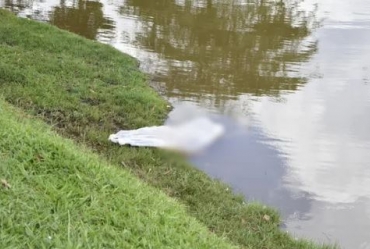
(191, 136)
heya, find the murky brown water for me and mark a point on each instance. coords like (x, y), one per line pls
(293, 74)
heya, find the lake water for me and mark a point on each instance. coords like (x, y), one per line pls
(290, 80)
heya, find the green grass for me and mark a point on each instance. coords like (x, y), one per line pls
(64, 196)
(87, 91)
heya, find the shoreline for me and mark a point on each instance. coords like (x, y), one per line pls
(87, 90)
(52, 184)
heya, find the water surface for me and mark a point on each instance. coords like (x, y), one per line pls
(288, 79)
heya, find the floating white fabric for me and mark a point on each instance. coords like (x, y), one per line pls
(188, 137)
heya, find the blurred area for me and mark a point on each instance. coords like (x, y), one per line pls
(188, 134)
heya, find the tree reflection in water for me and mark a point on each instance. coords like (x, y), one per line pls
(81, 17)
(233, 47)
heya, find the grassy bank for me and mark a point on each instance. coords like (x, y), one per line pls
(87, 91)
(57, 195)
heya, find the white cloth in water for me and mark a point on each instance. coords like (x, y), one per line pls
(189, 137)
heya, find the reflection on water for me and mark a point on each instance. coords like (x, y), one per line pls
(300, 91)
(223, 48)
(82, 17)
